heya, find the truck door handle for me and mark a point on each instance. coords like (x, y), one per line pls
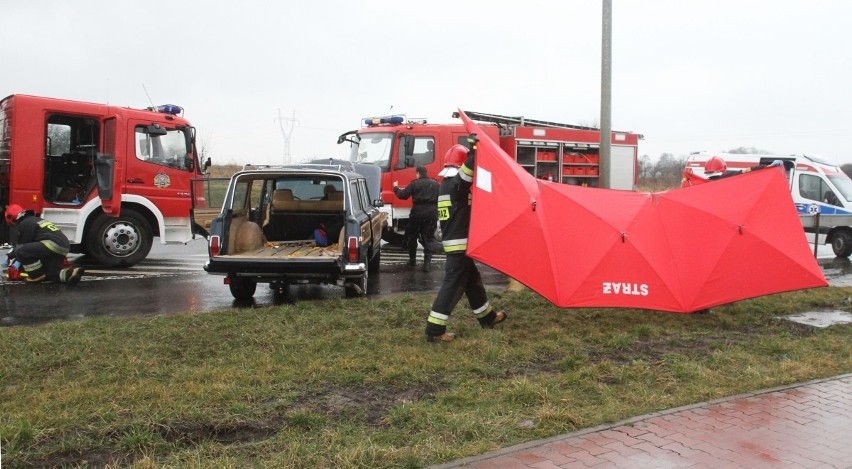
(135, 181)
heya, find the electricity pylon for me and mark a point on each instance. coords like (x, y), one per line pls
(286, 133)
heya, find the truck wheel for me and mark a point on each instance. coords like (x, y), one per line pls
(358, 288)
(375, 263)
(841, 243)
(121, 241)
(242, 288)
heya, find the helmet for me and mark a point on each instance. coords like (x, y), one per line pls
(456, 155)
(715, 165)
(13, 213)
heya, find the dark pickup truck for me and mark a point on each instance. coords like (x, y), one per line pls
(268, 225)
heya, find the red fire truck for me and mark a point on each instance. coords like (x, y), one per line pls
(557, 152)
(112, 178)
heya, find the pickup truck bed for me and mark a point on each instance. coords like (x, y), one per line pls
(264, 232)
(290, 249)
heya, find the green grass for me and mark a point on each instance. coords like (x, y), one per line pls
(352, 383)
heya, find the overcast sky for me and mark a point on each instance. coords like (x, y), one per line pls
(687, 74)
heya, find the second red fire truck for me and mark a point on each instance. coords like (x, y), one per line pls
(547, 150)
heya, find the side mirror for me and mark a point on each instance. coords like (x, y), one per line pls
(207, 164)
(344, 137)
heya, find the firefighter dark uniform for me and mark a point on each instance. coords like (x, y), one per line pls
(41, 248)
(461, 276)
(424, 215)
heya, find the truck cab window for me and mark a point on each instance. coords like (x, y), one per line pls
(171, 150)
(71, 146)
(375, 149)
(424, 151)
(58, 139)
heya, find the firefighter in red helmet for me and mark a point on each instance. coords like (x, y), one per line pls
(41, 248)
(717, 168)
(461, 276)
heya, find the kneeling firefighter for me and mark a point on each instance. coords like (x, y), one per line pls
(41, 248)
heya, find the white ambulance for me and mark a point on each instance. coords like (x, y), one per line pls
(817, 186)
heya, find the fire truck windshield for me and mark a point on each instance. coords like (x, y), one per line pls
(170, 147)
(375, 149)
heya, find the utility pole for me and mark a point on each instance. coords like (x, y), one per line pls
(606, 94)
(286, 133)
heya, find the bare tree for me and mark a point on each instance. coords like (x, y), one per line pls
(749, 151)
(590, 123)
(645, 167)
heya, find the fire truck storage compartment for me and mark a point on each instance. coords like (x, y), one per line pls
(576, 163)
(565, 153)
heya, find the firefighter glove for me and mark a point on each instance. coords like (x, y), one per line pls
(472, 141)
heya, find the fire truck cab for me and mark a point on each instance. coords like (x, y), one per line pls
(816, 186)
(398, 145)
(111, 178)
(547, 150)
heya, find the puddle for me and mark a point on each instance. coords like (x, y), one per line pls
(822, 318)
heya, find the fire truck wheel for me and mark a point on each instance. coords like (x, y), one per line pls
(841, 244)
(121, 241)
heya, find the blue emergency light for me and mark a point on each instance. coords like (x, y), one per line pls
(394, 120)
(172, 109)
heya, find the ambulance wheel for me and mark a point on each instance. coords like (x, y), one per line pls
(121, 241)
(242, 288)
(841, 243)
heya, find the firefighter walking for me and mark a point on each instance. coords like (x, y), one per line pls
(461, 276)
(41, 248)
(424, 216)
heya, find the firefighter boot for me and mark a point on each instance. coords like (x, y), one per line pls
(445, 337)
(492, 319)
(71, 275)
(34, 272)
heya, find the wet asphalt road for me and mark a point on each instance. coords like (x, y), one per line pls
(172, 281)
